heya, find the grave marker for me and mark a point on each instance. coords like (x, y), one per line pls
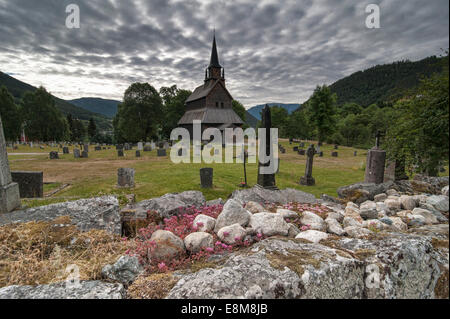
(266, 180)
(125, 177)
(376, 160)
(206, 177)
(31, 184)
(308, 180)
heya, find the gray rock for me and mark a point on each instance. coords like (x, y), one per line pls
(361, 192)
(386, 220)
(204, 223)
(440, 217)
(86, 214)
(215, 202)
(380, 197)
(393, 204)
(269, 224)
(315, 221)
(261, 195)
(125, 270)
(170, 204)
(398, 224)
(286, 213)
(336, 215)
(86, 290)
(333, 227)
(416, 220)
(408, 268)
(445, 191)
(408, 202)
(368, 210)
(168, 246)
(429, 217)
(232, 213)
(357, 232)
(313, 236)
(349, 221)
(440, 202)
(254, 207)
(229, 234)
(195, 242)
(293, 230)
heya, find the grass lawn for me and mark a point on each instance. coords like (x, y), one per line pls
(156, 176)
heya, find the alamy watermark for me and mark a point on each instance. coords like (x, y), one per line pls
(373, 18)
(73, 18)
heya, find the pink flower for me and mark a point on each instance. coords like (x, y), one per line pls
(200, 224)
(237, 238)
(259, 235)
(162, 266)
(210, 250)
(226, 234)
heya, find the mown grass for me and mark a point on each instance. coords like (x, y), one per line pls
(156, 176)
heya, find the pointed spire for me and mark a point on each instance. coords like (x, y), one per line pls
(214, 56)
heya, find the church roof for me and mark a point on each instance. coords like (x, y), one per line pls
(211, 116)
(203, 91)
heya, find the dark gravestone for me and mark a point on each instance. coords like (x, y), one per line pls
(31, 184)
(334, 154)
(119, 147)
(302, 145)
(301, 152)
(138, 153)
(321, 154)
(206, 177)
(86, 148)
(54, 155)
(85, 154)
(376, 161)
(295, 148)
(355, 153)
(308, 180)
(120, 153)
(162, 152)
(266, 178)
(336, 147)
(283, 150)
(147, 148)
(125, 177)
(76, 153)
(98, 148)
(65, 150)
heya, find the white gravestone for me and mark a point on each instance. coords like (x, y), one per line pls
(9, 191)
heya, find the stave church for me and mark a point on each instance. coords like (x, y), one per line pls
(211, 102)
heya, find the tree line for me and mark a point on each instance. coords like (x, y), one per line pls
(38, 117)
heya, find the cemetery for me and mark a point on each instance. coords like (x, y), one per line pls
(343, 196)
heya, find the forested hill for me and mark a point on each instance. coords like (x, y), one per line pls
(97, 105)
(18, 88)
(385, 83)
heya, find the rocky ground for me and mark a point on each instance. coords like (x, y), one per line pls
(374, 241)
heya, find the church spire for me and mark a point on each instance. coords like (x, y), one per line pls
(214, 56)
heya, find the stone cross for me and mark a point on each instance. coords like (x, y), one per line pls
(375, 165)
(308, 180)
(9, 191)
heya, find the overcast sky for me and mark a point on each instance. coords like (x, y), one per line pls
(272, 51)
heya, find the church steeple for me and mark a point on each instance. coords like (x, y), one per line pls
(214, 70)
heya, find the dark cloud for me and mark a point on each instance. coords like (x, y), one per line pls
(272, 50)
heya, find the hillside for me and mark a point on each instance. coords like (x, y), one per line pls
(255, 111)
(384, 83)
(18, 88)
(97, 105)
(251, 120)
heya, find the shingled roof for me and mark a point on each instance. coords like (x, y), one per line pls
(203, 91)
(211, 116)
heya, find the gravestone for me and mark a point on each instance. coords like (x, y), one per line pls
(376, 161)
(295, 149)
(355, 153)
(334, 154)
(336, 147)
(266, 179)
(120, 153)
(31, 184)
(84, 154)
(147, 148)
(54, 155)
(76, 153)
(65, 150)
(206, 177)
(138, 153)
(321, 154)
(162, 152)
(125, 177)
(127, 147)
(283, 150)
(308, 180)
(9, 191)
(140, 146)
(98, 148)
(86, 148)
(119, 147)
(302, 145)
(301, 152)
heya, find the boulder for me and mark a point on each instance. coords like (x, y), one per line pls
(313, 220)
(282, 197)
(230, 234)
(269, 224)
(353, 212)
(398, 224)
(333, 227)
(416, 220)
(195, 242)
(393, 204)
(87, 214)
(168, 246)
(169, 205)
(336, 215)
(215, 202)
(125, 270)
(374, 225)
(407, 202)
(285, 213)
(254, 207)
(368, 210)
(380, 197)
(440, 202)
(392, 192)
(204, 223)
(313, 236)
(232, 213)
(440, 217)
(361, 192)
(349, 221)
(445, 191)
(357, 232)
(85, 290)
(429, 217)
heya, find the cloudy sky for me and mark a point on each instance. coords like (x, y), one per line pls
(272, 51)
